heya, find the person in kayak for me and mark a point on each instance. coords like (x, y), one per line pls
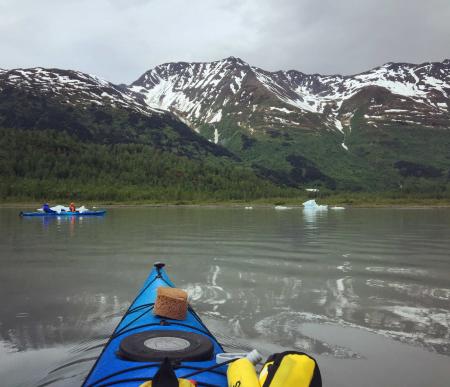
(72, 207)
(46, 208)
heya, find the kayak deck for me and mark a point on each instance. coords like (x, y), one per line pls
(66, 213)
(112, 369)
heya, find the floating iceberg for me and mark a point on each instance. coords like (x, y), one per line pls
(282, 208)
(312, 205)
(337, 208)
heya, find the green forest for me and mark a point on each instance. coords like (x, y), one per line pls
(48, 165)
(51, 150)
(45, 165)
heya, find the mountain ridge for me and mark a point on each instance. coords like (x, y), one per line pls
(312, 93)
(235, 58)
(379, 130)
(197, 92)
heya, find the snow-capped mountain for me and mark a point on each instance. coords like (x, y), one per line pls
(71, 87)
(198, 92)
(384, 128)
(254, 99)
(93, 110)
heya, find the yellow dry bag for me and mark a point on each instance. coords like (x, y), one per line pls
(290, 369)
(242, 373)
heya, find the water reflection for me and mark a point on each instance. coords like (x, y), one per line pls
(377, 305)
(65, 340)
(62, 223)
(78, 317)
(312, 216)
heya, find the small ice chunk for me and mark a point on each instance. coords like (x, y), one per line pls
(312, 205)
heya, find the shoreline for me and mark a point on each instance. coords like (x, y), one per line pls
(425, 204)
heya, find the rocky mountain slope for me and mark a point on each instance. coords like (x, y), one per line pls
(71, 87)
(255, 99)
(89, 107)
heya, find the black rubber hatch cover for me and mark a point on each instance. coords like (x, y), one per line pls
(159, 344)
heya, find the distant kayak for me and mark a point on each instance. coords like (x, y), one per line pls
(64, 213)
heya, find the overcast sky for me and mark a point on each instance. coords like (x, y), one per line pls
(120, 39)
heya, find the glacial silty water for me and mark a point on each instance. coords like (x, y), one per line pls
(365, 291)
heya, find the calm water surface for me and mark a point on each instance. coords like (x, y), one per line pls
(366, 291)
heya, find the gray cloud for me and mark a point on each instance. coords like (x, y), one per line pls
(120, 39)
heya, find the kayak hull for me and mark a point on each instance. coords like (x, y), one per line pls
(112, 369)
(67, 213)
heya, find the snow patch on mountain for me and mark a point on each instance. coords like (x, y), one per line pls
(284, 110)
(217, 117)
(216, 136)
